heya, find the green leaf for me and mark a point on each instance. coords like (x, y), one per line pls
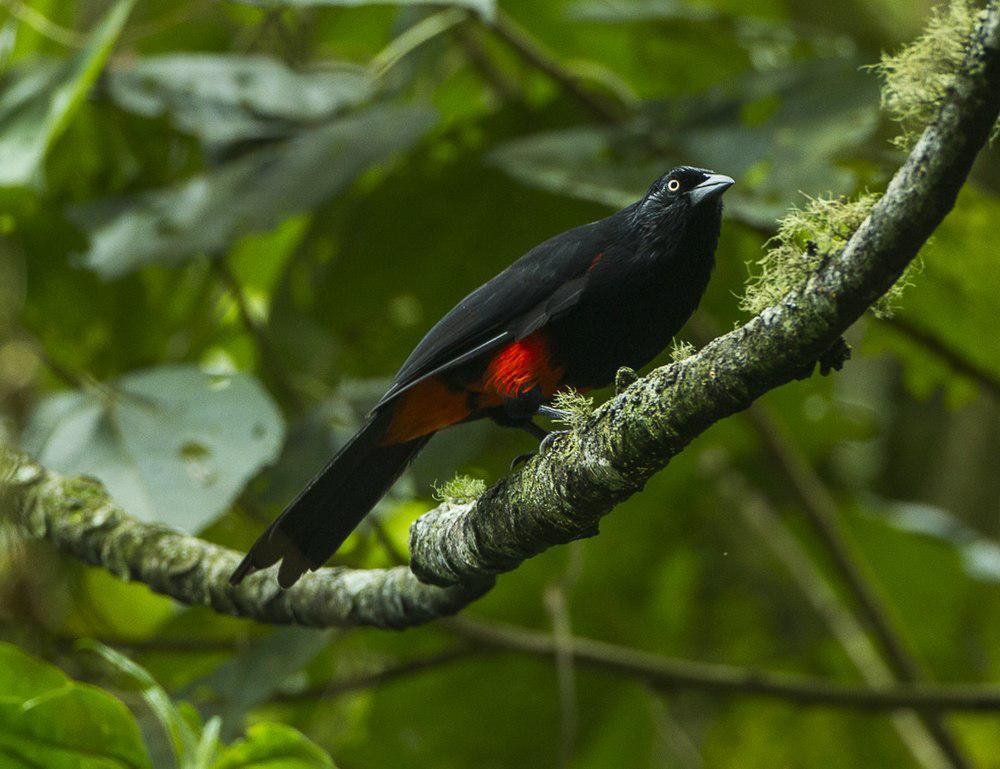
(36, 108)
(778, 133)
(273, 746)
(254, 673)
(485, 8)
(222, 98)
(172, 444)
(254, 193)
(183, 738)
(47, 720)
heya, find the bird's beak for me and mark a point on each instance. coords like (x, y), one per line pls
(710, 189)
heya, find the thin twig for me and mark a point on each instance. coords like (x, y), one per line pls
(43, 25)
(562, 636)
(271, 363)
(985, 378)
(531, 51)
(370, 680)
(506, 87)
(762, 519)
(674, 674)
(821, 511)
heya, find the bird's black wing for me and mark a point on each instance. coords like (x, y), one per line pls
(546, 281)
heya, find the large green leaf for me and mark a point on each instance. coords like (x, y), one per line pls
(36, 107)
(273, 746)
(172, 444)
(778, 132)
(47, 720)
(205, 213)
(223, 98)
(485, 8)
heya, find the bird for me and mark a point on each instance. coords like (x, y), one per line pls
(569, 313)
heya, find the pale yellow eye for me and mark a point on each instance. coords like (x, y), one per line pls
(673, 185)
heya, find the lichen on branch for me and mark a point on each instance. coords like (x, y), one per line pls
(918, 77)
(807, 237)
(562, 493)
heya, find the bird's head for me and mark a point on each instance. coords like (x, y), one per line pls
(682, 194)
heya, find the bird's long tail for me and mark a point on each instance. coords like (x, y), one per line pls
(318, 521)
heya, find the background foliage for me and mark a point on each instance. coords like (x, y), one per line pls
(224, 225)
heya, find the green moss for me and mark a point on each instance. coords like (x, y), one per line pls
(576, 405)
(917, 78)
(460, 489)
(806, 238)
(681, 350)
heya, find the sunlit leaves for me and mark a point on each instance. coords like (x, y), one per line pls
(36, 105)
(172, 444)
(206, 213)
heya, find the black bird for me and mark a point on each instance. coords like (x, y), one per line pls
(569, 313)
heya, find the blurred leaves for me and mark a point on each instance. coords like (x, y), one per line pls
(47, 720)
(250, 194)
(197, 746)
(36, 107)
(485, 8)
(223, 99)
(352, 215)
(172, 444)
(252, 676)
(273, 746)
(772, 130)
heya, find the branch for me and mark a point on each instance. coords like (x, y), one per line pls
(929, 744)
(669, 673)
(956, 360)
(563, 495)
(77, 516)
(531, 51)
(376, 678)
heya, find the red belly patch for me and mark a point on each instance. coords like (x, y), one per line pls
(521, 366)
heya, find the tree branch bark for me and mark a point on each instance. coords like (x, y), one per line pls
(562, 495)
(77, 516)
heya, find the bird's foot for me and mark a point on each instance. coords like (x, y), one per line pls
(546, 444)
(832, 360)
(624, 378)
(520, 459)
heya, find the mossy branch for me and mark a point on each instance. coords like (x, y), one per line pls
(78, 517)
(561, 495)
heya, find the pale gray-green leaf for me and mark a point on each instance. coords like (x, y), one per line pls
(206, 213)
(172, 444)
(222, 98)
